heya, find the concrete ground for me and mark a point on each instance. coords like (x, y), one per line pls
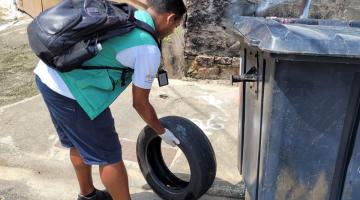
(17, 61)
(33, 165)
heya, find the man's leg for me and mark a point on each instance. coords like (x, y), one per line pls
(115, 180)
(83, 172)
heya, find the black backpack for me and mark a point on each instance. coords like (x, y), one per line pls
(70, 33)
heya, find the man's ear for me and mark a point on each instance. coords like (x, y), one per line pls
(171, 18)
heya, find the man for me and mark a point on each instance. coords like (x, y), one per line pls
(78, 101)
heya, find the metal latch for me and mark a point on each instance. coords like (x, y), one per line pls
(250, 76)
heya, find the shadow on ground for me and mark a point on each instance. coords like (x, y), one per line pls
(220, 188)
(144, 195)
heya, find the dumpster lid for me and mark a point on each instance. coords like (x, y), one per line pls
(324, 38)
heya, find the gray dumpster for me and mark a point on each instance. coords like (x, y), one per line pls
(299, 115)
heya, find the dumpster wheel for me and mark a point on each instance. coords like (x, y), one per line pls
(197, 150)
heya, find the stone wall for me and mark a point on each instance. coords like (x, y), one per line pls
(211, 52)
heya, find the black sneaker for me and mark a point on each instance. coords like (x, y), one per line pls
(100, 195)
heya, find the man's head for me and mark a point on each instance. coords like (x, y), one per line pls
(167, 15)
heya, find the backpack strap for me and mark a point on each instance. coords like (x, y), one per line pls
(138, 24)
(147, 28)
(123, 73)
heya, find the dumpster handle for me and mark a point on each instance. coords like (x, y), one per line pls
(250, 76)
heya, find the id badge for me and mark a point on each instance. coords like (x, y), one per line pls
(163, 78)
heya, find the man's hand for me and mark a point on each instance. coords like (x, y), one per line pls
(169, 138)
(145, 110)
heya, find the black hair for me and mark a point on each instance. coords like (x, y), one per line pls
(174, 6)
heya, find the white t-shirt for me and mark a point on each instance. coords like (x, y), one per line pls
(145, 60)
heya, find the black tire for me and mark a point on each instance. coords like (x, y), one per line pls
(196, 148)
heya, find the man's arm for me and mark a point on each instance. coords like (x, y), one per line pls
(143, 107)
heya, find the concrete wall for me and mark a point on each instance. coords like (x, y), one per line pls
(210, 52)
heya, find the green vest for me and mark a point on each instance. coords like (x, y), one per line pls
(94, 89)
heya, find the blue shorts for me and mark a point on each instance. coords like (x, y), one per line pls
(96, 140)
